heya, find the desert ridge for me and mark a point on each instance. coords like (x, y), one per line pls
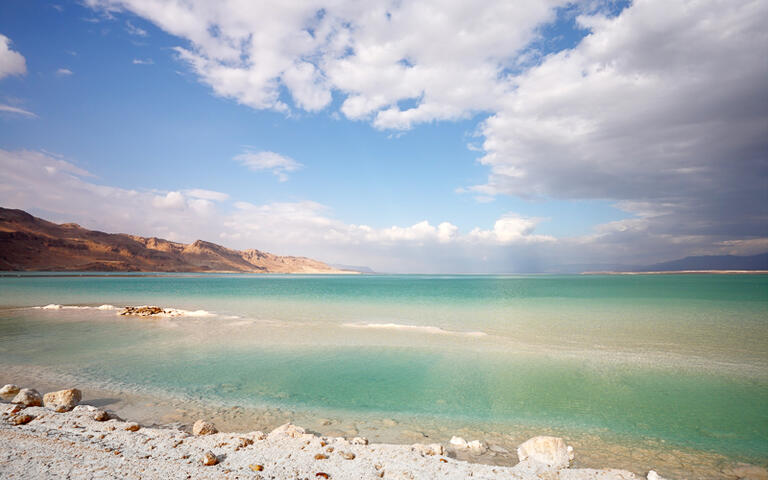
(28, 243)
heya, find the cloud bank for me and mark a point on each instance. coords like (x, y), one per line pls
(662, 108)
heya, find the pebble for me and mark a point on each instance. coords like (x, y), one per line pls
(201, 427)
(100, 416)
(209, 459)
(348, 455)
(321, 456)
(22, 419)
(132, 427)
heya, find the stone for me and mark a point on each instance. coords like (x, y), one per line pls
(9, 390)
(100, 416)
(359, 441)
(652, 475)
(201, 427)
(256, 467)
(746, 471)
(209, 459)
(431, 449)
(321, 456)
(458, 442)
(348, 455)
(544, 450)
(142, 311)
(288, 429)
(132, 427)
(62, 400)
(476, 447)
(13, 409)
(28, 397)
(22, 419)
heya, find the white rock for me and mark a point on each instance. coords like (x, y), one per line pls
(458, 442)
(62, 400)
(544, 450)
(431, 449)
(288, 429)
(201, 427)
(652, 475)
(476, 446)
(9, 389)
(359, 441)
(28, 397)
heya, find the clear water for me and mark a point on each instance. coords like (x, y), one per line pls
(681, 359)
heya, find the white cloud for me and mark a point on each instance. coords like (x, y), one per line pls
(16, 110)
(146, 61)
(60, 191)
(134, 30)
(511, 229)
(11, 62)
(279, 165)
(445, 56)
(64, 72)
(206, 194)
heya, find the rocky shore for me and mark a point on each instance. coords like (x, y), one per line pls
(52, 436)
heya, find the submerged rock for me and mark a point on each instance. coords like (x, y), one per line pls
(29, 397)
(201, 427)
(745, 471)
(62, 400)
(9, 390)
(550, 451)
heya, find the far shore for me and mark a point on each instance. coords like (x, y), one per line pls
(682, 272)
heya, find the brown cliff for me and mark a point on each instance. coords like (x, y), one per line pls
(31, 243)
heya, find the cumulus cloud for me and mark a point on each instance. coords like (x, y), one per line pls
(663, 108)
(11, 62)
(445, 57)
(64, 72)
(62, 191)
(279, 165)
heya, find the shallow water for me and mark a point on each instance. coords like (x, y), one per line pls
(673, 360)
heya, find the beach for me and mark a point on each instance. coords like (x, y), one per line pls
(90, 443)
(647, 375)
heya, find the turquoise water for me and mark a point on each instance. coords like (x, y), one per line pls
(677, 358)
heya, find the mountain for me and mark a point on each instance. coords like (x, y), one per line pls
(31, 243)
(712, 262)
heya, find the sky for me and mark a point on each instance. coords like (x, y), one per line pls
(437, 136)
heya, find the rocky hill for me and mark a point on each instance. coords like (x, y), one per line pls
(31, 243)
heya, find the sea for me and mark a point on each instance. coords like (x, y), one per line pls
(636, 371)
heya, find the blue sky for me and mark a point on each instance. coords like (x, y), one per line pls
(108, 90)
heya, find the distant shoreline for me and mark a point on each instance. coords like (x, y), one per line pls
(682, 272)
